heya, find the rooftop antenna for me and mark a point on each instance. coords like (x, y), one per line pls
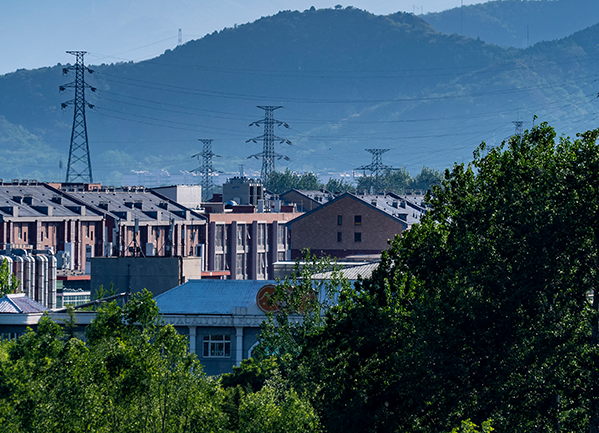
(206, 169)
(268, 138)
(79, 167)
(241, 173)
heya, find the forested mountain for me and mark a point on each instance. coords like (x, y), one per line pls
(517, 23)
(347, 79)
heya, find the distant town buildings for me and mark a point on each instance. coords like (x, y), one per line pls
(65, 241)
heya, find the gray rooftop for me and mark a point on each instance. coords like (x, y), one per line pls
(34, 201)
(140, 204)
(20, 304)
(395, 206)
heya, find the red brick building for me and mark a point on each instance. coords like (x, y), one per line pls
(351, 225)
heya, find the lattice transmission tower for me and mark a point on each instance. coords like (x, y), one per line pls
(79, 167)
(519, 124)
(268, 153)
(206, 169)
(376, 166)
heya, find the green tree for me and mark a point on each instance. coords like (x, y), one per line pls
(426, 179)
(133, 375)
(339, 186)
(302, 302)
(398, 181)
(481, 311)
(8, 282)
(276, 408)
(280, 182)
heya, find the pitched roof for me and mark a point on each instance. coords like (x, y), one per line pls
(380, 203)
(18, 303)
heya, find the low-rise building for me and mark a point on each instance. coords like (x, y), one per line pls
(351, 225)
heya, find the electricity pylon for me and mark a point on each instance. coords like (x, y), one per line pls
(376, 166)
(79, 167)
(268, 153)
(206, 169)
(519, 129)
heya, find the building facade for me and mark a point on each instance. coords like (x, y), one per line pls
(351, 225)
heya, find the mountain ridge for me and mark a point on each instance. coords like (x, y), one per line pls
(348, 80)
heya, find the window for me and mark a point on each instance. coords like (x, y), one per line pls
(87, 230)
(239, 264)
(281, 235)
(218, 262)
(339, 220)
(217, 346)
(339, 237)
(20, 230)
(261, 234)
(357, 237)
(240, 230)
(262, 263)
(357, 220)
(219, 235)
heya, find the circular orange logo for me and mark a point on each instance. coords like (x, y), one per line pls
(262, 299)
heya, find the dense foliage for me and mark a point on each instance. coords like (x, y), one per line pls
(132, 375)
(481, 314)
(397, 181)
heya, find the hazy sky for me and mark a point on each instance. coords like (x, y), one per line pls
(36, 33)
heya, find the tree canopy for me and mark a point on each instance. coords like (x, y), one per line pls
(483, 314)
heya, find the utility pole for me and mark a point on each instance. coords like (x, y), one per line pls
(376, 166)
(79, 167)
(268, 154)
(180, 38)
(206, 169)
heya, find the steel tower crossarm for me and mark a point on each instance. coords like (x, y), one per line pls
(268, 139)
(79, 167)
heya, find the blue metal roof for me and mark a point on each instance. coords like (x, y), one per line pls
(210, 296)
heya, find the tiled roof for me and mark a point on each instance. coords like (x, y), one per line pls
(19, 303)
(210, 296)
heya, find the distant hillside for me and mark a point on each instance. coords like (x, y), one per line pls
(516, 23)
(347, 79)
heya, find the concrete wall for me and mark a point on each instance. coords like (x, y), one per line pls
(132, 274)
